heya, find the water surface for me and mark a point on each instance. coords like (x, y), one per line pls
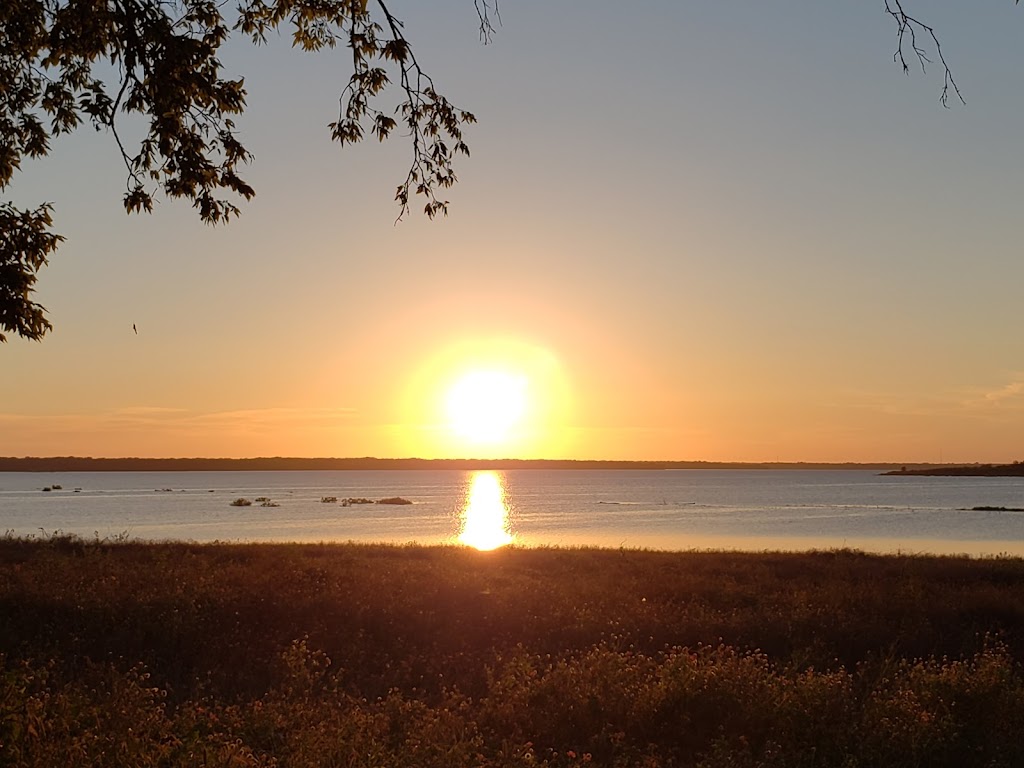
(664, 509)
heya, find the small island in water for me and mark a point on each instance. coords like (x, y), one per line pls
(1016, 469)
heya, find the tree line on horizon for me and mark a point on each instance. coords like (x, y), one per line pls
(267, 464)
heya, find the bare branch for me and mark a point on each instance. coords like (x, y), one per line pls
(484, 9)
(908, 28)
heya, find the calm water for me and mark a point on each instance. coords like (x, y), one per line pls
(687, 509)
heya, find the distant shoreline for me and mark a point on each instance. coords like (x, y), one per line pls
(971, 470)
(268, 464)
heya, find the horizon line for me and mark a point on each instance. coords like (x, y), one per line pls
(67, 463)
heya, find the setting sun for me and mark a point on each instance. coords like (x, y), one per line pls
(495, 397)
(484, 406)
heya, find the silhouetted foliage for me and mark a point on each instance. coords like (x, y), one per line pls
(68, 62)
(25, 243)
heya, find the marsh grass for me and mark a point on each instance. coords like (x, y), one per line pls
(126, 653)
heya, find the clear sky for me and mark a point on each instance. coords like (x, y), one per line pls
(722, 231)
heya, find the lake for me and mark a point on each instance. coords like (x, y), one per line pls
(661, 509)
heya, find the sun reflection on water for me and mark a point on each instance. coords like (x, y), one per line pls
(485, 523)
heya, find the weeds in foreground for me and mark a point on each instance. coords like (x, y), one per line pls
(251, 655)
(708, 707)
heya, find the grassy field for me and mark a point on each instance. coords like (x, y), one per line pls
(133, 654)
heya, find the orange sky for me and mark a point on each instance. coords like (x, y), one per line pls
(795, 255)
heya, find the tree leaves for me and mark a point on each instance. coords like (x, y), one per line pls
(25, 244)
(54, 75)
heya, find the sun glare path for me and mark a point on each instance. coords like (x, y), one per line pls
(485, 524)
(484, 406)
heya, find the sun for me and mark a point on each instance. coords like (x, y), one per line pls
(492, 397)
(485, 406)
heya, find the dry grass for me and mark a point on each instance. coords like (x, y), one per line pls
(139, 654)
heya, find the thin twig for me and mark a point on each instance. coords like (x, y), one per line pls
(907, 29)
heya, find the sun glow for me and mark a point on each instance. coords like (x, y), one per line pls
(485, 406)
(487, 398)
(485, 524)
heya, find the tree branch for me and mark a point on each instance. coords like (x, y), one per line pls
(908, 29)
(483, 10)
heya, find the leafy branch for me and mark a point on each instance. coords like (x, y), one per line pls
(431, 121)
(25, 244)
(165, 55)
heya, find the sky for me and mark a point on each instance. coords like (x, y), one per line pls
(687, 231)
